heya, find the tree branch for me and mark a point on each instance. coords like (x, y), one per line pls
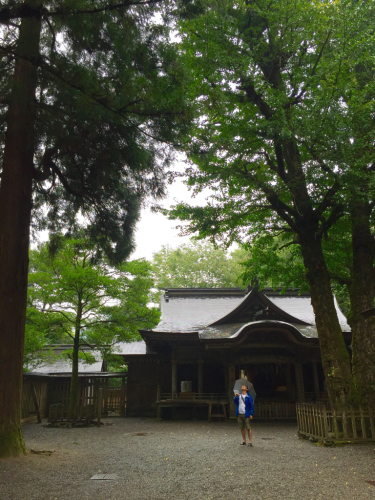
(25, 10)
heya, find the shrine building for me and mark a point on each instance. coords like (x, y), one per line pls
(209, 337)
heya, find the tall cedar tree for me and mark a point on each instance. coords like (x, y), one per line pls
(90, 91)
(275, 84)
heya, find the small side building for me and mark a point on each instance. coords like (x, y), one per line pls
(49, 384)
(211, 337)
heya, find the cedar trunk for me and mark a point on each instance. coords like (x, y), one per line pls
(335, 356)
(15, 210)
(362, 292)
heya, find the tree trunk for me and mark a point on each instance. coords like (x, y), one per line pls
(74, 380)
(362, 292)
(15, 210)
(335, 357)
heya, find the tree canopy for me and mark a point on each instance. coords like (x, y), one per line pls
(93, 304)
(92, 98)
(283, 91)
(197, 264)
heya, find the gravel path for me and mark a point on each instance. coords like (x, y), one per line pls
(185, 461)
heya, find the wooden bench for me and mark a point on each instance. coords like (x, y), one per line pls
(193, 400)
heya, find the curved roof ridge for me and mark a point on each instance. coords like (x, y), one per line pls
(248, 298)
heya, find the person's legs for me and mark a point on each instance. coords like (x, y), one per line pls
(243, 432)
(250, 432)
(242, 426)
(248, 428)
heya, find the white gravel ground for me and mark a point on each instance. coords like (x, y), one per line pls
(185, 460)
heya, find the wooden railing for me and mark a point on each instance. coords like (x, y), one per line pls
(320, 422)
(274, 411)
(191, 396)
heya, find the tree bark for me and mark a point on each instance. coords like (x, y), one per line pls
(15, 211)
(335, 356)
(362, 293)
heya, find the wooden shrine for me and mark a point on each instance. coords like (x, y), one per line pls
(208, 338)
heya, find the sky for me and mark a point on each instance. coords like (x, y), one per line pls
(154, 229)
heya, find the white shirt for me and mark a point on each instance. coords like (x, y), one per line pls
(241, 404)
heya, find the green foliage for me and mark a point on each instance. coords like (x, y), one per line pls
(275, 264)
(197, 265)
(74, 292)
(280, 265)
(284, 139)
(285, 123)
(110, 101)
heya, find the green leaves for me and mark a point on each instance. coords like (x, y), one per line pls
(110, 101)
(75, 291)
(197, 264)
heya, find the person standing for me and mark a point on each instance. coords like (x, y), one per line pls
(244, 413)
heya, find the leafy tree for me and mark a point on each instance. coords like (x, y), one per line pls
(40, 330)
(91, 90)
(274, 263)
(98, 305)
(276, 141)
(197, 264)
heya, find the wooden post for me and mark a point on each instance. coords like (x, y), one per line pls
(100, 403)
(371, 415)
(335, 424)
(289, 382)
(158, 409)
(344, 425)
(325, 422)
(105, 394)
(200, 377)
(35, 401)
(232, 380)
(363, 425)
(174, 377)
(316, 381)
(122, 400)
(300, 384)
(354, 425)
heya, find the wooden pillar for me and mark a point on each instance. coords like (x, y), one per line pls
(123, 397)
(200, 376)
(99, 407)
(232, 380)
(289, 385)
(35, 401)
(105, 396)
(299, 382)
(316, 381)
(158, 397)
(174, 376)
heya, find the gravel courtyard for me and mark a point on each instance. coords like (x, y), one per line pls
(184, 460)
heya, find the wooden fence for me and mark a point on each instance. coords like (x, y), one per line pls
(34, 403)
(40, 392)
(320, 422)
(274, 411)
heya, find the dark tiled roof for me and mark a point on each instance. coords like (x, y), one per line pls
(188, 310)
(132, 348)
(65, 366)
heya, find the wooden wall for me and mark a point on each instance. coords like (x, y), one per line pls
(143, 380)
(40, 386)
